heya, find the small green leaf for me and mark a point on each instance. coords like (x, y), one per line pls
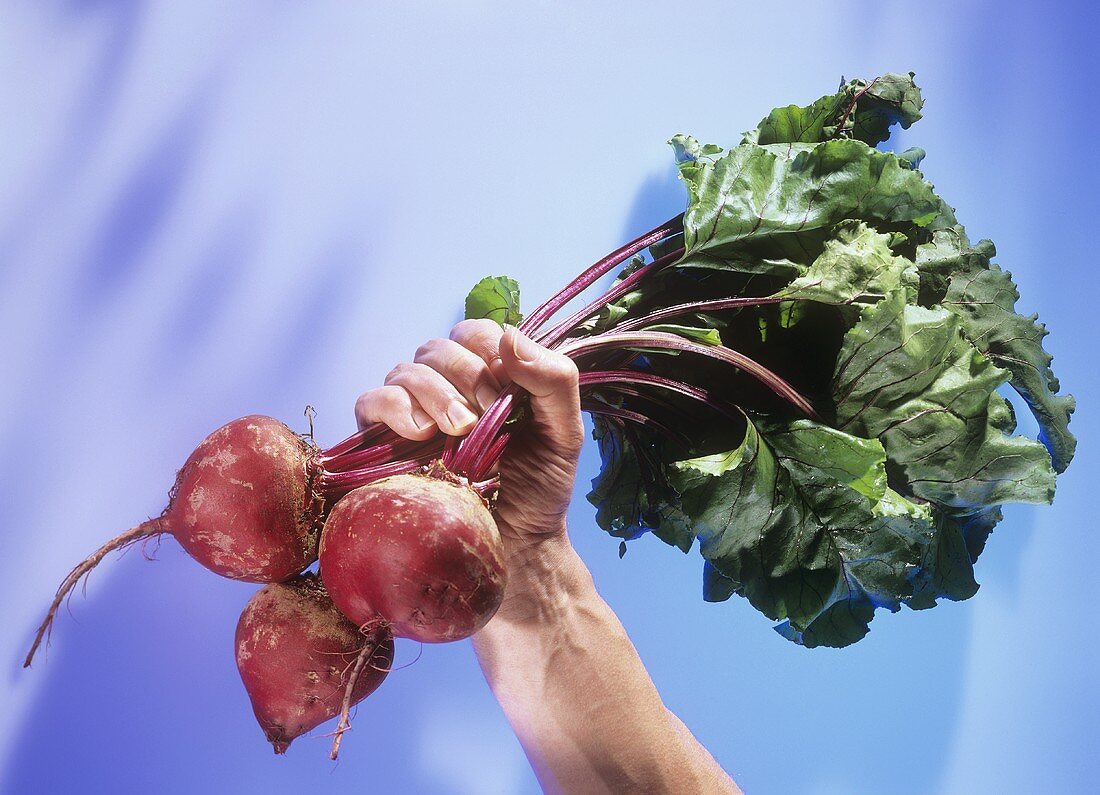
(495, 298)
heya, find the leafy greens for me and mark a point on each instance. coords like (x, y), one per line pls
(837, 271)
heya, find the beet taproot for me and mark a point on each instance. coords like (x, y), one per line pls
(421, 551)
(243, 505)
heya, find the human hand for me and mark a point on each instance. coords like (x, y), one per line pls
(450, 381)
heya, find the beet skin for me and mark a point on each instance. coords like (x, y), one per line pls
(422, 552)
(296, 654)
(243, 505)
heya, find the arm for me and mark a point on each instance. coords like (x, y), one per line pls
(576, 692)
(555, 655)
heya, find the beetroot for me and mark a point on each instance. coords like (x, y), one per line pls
(302, 662)
(421, 551)
(243, 506)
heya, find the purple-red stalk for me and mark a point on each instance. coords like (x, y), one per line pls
(716, 305)
(377, 452)
(371, 434)
(662, 340)
(336, 484)
(550, 338)
(549, 308)
(596, 407)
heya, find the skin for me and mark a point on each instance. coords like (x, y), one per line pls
(555, 655)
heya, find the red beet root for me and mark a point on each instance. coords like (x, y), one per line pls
(303, 662)
(423, 552)
(243, 506)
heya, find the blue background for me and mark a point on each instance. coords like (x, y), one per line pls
(207, 212)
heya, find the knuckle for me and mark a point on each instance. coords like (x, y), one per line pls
(419, 371)
(563, 370)
(475, 334)
(429, 349)
(392, 399)
(462, 330)
(369, 404)
(398, 372)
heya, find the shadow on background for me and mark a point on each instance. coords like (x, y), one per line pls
(94, 105)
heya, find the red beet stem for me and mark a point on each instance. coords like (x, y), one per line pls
(596, 407)
(716, 305)
(672, 342)
(550, 338)
(336, 485)
(144, 530)
(470, 458)
(547, 310)
(378, 453)
(373, 433)
(617, 378)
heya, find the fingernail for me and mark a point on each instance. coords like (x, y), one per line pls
(524, 349)
(460, 416)
(421, 419)
(486, 396)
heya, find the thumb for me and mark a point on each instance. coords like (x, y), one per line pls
(550, 377)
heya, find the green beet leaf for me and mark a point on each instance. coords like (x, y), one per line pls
(909, 377)
(947, 570)
(857, 284)
(788, 197)
(984, 297)
(856, 265)
(632, 493)
(495, 298)
(799, 520)
(864, 111)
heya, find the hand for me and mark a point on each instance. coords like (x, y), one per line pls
(587, 714)
(450, 381)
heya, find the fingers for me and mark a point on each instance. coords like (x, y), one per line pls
(482, 338)
(448, 384)
(453, 380)
(551, 379)
(394, 406)
(436, 395)
(464, 369)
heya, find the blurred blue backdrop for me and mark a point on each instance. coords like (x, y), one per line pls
(208, 210)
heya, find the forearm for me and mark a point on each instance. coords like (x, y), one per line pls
(576, 693)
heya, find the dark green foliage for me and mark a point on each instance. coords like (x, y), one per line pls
(898, 329)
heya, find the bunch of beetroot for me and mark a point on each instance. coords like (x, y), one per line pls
(801, 377)
(407, 555)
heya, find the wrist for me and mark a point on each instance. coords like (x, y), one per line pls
(544, 577)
